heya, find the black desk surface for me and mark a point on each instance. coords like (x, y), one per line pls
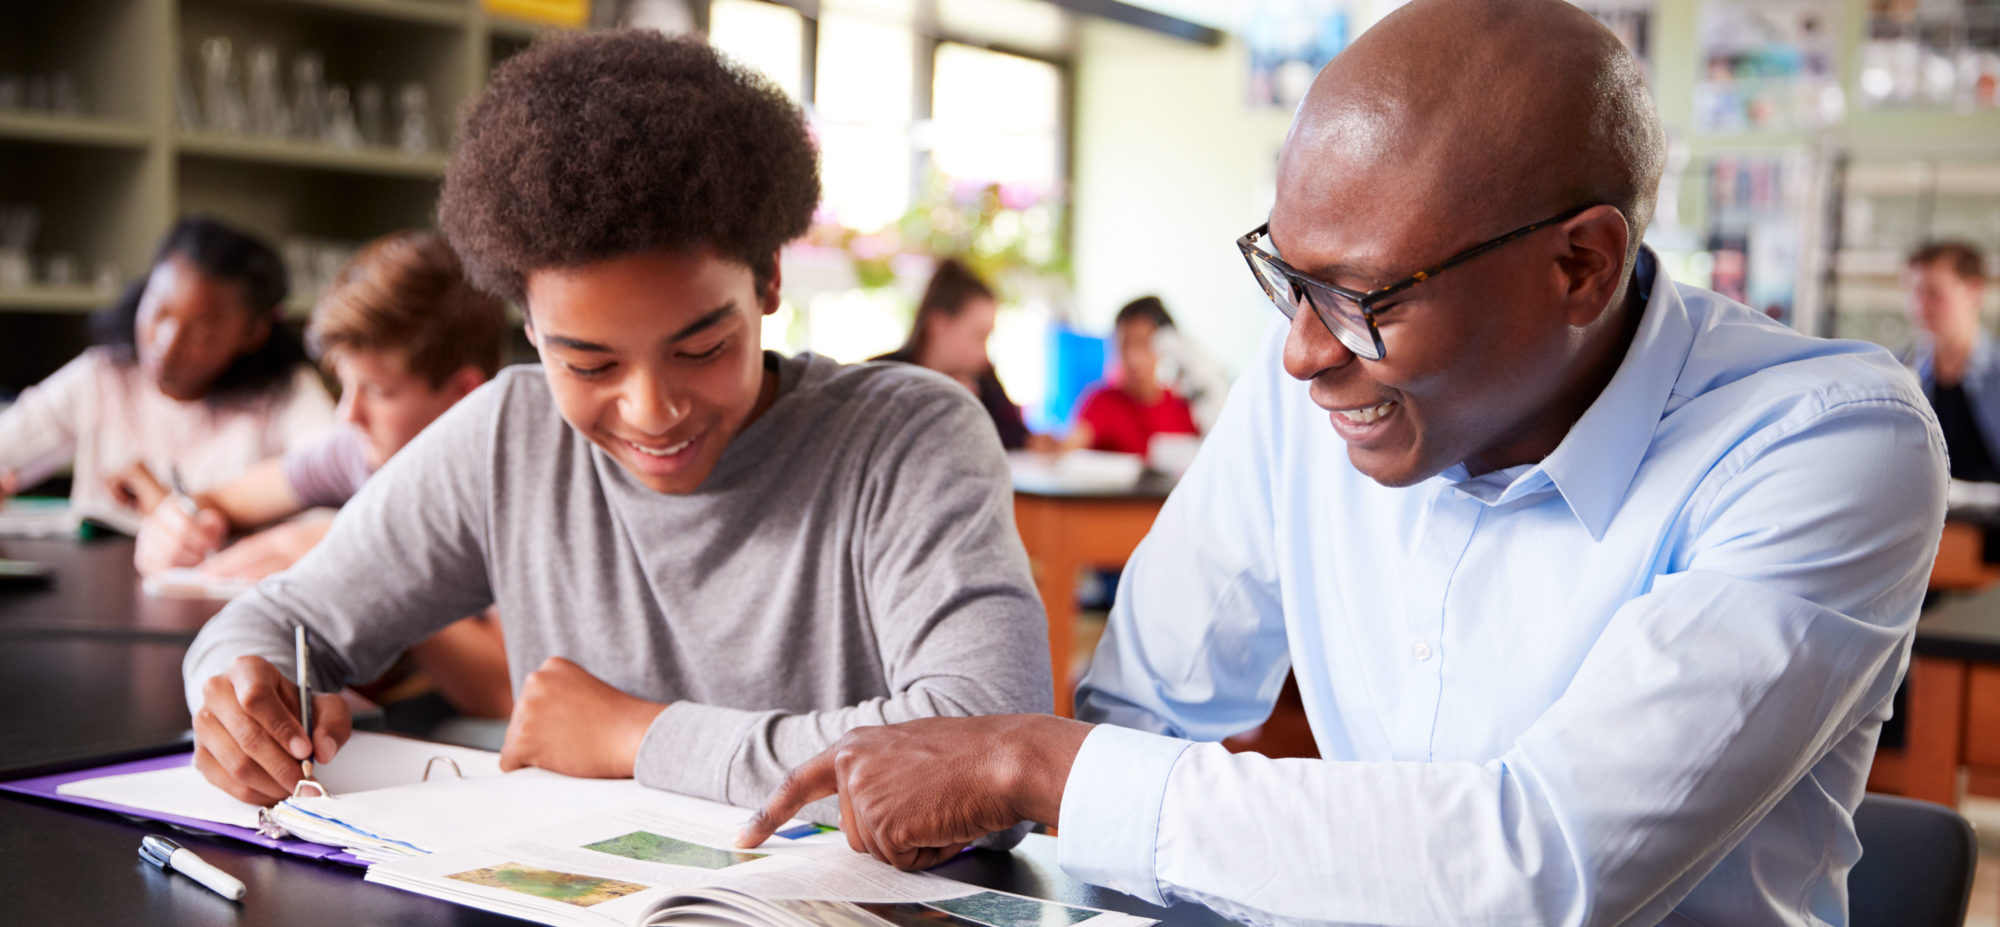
(66, 699)
(1962, 627)
(96, 591)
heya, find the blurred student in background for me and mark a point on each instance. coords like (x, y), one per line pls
(954, 319)
(1125, 413)
(408, 337)
(193, 375)
(1954, 355)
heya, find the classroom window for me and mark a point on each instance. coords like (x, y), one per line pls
(763, 36)
(862, 107)
(997, 118)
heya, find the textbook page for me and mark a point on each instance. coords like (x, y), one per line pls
(439, 815)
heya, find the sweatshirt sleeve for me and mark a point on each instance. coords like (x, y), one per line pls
(38, 433)
(950, 601)
(404, 558)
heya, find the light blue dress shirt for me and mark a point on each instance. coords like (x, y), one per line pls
(1638, 682)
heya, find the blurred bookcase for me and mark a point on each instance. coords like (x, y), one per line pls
(108, 177)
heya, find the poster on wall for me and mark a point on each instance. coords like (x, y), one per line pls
(1289, 41)
(1766, 66)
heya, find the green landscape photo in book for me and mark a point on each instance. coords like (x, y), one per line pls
(568, 887)
(654, 848)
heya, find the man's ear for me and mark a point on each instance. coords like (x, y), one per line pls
(769, 300)
(1592, 262)
(528, 327)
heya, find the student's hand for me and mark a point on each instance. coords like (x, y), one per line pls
(1043, 444)
(136, 488)
(247, 738)
(266, 552)
(10, 483)
(568, 721)
(169, 538)
(914, 794)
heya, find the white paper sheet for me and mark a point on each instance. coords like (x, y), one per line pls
(367, 761)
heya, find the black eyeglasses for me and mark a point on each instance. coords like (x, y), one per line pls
(1348, 314)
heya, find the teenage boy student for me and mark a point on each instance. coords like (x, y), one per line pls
(710, 561)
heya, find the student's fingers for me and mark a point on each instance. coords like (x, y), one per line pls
(511, 750)
(270, 701)
(208, 528)
(333, 723)
(223, 763)
(254, 740)
(810, 782)
(246, 559)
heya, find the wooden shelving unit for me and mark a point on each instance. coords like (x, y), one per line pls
(83, 131)
(70, 299)
(107, 183)
(288, 153)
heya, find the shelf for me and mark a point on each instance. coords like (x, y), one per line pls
(88, 131)
(1923, 177)
(375, 161)
(77, 299)
(408, 11)
(518, 30)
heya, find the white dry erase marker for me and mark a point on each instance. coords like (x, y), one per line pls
(167, 854)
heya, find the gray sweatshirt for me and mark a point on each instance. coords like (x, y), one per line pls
(851, 561)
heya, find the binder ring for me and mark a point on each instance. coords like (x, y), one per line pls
(448, 761)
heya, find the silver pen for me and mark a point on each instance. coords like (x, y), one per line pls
(181, 497)
(305, 698)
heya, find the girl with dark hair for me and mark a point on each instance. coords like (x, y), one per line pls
(192, 376)
(954, 319)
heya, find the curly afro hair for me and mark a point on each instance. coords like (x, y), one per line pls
(593, 146)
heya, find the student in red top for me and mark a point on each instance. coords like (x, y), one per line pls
(1124, 414)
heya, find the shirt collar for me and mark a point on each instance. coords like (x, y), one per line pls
(1596, 461)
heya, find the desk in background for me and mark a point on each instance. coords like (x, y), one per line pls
(1952, 707)
(1076, 518)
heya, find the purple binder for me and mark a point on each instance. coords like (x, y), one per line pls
(45, 787)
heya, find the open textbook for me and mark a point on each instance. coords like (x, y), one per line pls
(645, 866)
(445, 821)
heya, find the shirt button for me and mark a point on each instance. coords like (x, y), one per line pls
(1421, 650)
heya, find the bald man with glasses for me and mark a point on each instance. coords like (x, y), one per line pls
(1597, 587)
